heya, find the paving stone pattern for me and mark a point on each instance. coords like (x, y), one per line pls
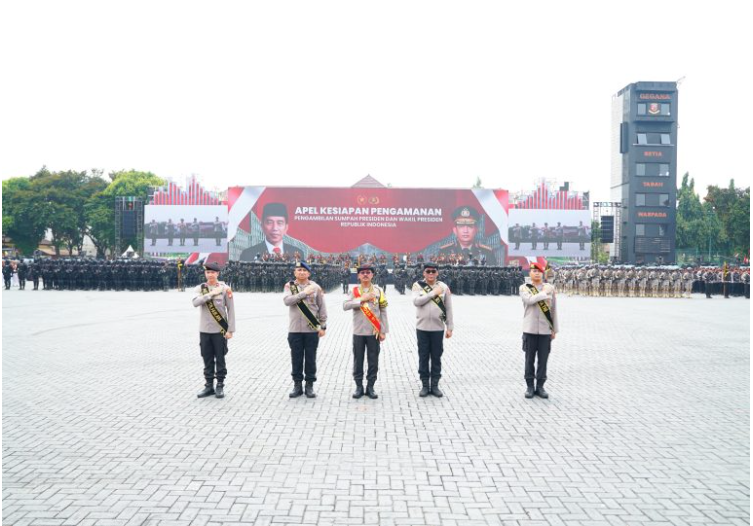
(648, 420)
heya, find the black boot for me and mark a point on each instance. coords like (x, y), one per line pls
(540, 389)
(425, 390)
(435, 388)
(310, 390)
(529, 389)
(297, 389)
(219, 392)
(207, 391)
(370, 391)
(359, 390)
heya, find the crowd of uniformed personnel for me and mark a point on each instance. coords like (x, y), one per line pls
(651, 282)
(466, 280)
(257, 276)
(97, 274)
(149, 275)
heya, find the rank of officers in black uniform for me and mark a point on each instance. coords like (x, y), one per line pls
(151, 275)
(98, 274)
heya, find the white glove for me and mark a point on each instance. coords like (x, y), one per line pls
(310, 289)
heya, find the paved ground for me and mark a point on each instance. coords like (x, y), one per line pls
(648, 422)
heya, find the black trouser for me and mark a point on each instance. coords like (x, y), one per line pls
(430, 349)
(213, 350)
(365, 346)
(303, 347)
(536, 344)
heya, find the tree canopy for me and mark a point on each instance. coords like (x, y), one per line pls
(70, 204)
(721, 222)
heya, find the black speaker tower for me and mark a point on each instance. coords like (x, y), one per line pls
(129, 224)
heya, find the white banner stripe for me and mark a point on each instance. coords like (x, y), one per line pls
(241, 208)
(494, 210)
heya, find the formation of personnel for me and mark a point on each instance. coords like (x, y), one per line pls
(468, 280)
(258, 276)
(725, 280)
(650, 282)
(307, 324)
(98, 274)
(181, 231)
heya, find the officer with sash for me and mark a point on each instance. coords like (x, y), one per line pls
(216, 326)
(370, 328)
(308, 322)
(539, 328)
(433, 301)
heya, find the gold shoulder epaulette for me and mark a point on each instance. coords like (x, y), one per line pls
(448, 245)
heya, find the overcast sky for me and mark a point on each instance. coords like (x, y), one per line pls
(417, 94)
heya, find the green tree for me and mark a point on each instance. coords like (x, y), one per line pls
(24, 219)
(738, 227)
(63, 197)
(714, 237)
(126, 183)
(729, 204)
(691, 218)
(100, 217)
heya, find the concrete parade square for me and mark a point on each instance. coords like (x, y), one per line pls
(648, 420)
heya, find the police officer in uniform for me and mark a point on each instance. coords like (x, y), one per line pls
(213, 335)
(34, 274)
(370, 328)
(218, 231)
(434, 322)
(467, 220)
(7, 273)
(22, 269)
(307, 324)
(538, 329)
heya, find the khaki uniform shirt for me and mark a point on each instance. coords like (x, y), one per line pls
(224, 304)
(298, 322)
(361, 325)
(534, 321)
(428, 313)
